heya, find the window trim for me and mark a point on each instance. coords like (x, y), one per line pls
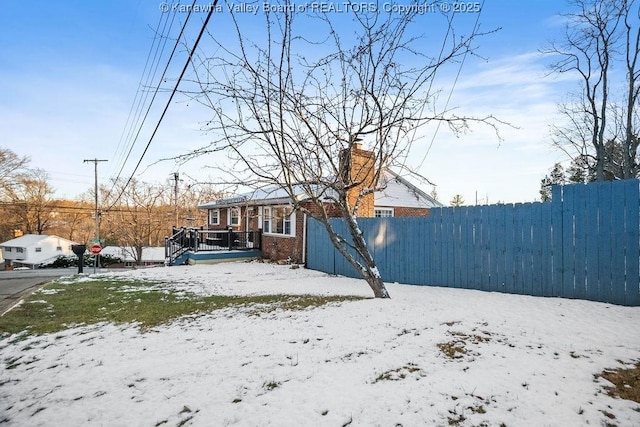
(266, 217)
(230, 217)
(377, 209)
(264, 221)
(217, 222)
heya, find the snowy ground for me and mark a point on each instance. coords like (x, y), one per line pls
(528, 362)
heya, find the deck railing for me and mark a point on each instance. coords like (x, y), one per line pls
(199, 239)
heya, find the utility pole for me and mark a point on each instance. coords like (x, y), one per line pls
(176, 177)
(97, 215)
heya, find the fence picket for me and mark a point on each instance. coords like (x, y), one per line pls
(584, 244)
(553, 288)
(617, 242)
(591, 232)
(632, 249)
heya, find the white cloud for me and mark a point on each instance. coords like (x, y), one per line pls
(516, 91)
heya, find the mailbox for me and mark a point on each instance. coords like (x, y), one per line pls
(79, 250)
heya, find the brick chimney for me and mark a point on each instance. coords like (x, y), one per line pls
(358, 165)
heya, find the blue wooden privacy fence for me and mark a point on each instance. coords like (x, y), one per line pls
(583, 244)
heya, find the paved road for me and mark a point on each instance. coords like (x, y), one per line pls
(16, 284)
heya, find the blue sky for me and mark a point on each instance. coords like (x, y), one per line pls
(70, 70)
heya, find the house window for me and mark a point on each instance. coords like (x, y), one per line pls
(233, 215)
(20, 250)
(278, 220)
(59, 248)
(214, 216)
(266, 220)
(7, 249)
(383, 212)
(38, 249)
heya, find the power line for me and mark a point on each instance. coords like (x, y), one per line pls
(173, 92)
(455, 82)
(155, 93)
(69, 209)
(141, 99)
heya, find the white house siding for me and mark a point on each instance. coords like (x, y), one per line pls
(34, 249)
(398, 193)
(150, 255)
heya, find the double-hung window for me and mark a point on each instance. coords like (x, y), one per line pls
(278, 220)
(214, 216)
(233, 217)
(266, 220)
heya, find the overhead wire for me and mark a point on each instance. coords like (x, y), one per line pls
(212, 8)
(155, 93)
(455, 81)
(150, 70)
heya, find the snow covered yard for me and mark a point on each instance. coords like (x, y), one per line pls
(428, 356)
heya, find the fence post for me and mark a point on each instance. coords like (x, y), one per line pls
(230, 238)
(196, 239)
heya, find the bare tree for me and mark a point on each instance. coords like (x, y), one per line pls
(292, 105)
(631, 47)
(194, 195)
(599, 35)
(141, 217)
(73, 219)
(11, 165)
(30, 196)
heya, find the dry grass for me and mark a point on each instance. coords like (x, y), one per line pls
(626, 382)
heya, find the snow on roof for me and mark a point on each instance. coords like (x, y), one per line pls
(399, 192)
(270, 195)
(126, 253)
(26, 240)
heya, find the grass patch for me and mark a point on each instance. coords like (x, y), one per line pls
(62, 306)
(456, 349)
(397, 374)
(626, 382)
(271, 385)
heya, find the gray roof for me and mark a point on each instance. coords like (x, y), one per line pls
(398, 192)
(266, 196)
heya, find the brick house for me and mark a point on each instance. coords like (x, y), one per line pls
(283, 229)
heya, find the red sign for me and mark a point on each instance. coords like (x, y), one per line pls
(95, 249)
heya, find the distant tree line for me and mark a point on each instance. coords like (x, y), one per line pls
(136, 215)
(600, 124)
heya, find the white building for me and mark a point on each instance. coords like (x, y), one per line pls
(150, 255)
(32, 250)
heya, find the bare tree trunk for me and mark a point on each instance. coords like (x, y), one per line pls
(632, 48)
(290, 106)
(368, 268)
(588, 49)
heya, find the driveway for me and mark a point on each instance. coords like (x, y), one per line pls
(16, 284)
